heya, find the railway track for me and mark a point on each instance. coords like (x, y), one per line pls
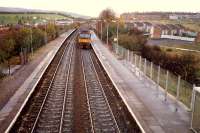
(75, 95)
(126, 122)
(100, 112)
(52, 112)
(45, 114)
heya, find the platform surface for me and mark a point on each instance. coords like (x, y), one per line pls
(15, 103)
(151, 112)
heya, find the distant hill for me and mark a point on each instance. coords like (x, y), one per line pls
(20, 10)
(24, 10)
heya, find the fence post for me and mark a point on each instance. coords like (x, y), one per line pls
(135, 62)
(145, 66)
(193, 96)
(125, 55)
(128, 56)
(122, 52)
(117, 49)
(166, 85)
(114, 48)
(151, 71)
(158, 80)
(131, 59)
(192, 105)
(178, 92)
(126, 59)
(140, 63)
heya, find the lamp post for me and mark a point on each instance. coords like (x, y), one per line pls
(117, 36)
(31, 42)
(117, 33)
(107, 34)
(115, 21)
(31, 26)
(45, 28)
(101, 30)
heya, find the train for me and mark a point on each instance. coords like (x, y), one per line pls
(84, 38)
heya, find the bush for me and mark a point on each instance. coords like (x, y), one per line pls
(38, 38)
(132, 40)
(169, 50)
(185, 65)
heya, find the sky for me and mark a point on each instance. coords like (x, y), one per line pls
(94, 7)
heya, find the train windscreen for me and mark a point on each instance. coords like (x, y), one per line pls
(84, 35)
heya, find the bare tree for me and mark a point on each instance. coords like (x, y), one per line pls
(108, 15)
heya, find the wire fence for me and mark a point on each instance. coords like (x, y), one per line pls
(172, 84)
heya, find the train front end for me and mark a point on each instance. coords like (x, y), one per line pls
(84, 39)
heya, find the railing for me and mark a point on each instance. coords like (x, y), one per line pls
(171, 84)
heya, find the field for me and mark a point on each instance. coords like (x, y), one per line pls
(177, 47)
(191, 24)
(174, 44)
(15, 18)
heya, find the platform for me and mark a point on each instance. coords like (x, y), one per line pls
(10, 111)
(151, 112)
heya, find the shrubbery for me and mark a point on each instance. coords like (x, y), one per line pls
(132, 40)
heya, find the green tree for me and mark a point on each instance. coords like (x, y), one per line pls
(22, 39)
(38, 38)
(7, 47)
(51, 31)
(20, 21)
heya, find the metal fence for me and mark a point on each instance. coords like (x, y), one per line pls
(195, 122)
(171, 84)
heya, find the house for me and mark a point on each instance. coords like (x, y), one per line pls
(147, 27)
(197, 39)
(156, 32)
(63, 22)
(139, 26)
(189, 33)
(165, 30)
(173, 30)
(176, 16)
(129, 25)
(181, 29)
